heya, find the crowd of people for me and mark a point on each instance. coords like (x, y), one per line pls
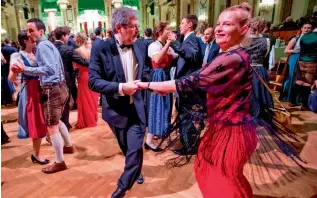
(218, 75)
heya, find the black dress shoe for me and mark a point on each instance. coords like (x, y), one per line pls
(184, 151)
(48, 139)
(140, 179)
(119, 193)
(147, 147)
(34, 160)
(68, 126)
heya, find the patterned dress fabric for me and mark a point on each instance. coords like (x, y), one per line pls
(232, 134)
(257, 51)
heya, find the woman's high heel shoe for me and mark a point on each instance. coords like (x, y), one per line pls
(34, 160)
(147, 147)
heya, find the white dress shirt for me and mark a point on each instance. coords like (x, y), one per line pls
(207, 51)
(129, 64)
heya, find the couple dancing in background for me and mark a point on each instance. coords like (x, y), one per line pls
(77, 58)
(35, 117)
(87, 101)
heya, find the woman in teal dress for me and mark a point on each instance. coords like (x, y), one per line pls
(307, 68)
(293, 49)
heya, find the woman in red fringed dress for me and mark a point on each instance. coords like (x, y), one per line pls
(87, 101)
(231, 136)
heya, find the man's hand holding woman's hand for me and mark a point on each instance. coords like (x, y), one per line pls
(146, 85)
(18, 67)
(130, 88)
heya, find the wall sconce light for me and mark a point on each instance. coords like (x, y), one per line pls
(202, 17)
(148, 9)
(173, 24)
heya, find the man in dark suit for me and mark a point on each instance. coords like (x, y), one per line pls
(115, 66)
(210, 48)
(7, 50)
(98, 39)
(99, 36)
(148, 36)
(69, 56)
(189, 61)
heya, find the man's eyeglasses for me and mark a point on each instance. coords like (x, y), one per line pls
(131, 26)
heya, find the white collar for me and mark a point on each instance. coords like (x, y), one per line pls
(211, 42)
(60, 41)
(187, 35)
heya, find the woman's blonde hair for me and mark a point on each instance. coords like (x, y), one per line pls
(81, 38)
(243, 15)
(243, 12)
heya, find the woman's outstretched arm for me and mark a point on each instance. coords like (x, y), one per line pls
(161, 87)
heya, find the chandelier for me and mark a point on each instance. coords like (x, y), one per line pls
(117, 3)
(62, 4)
(266, 6)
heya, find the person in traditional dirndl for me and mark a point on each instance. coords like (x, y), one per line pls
(161, 55)
(30, 113)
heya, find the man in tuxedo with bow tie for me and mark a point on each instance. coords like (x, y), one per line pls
(115, 66)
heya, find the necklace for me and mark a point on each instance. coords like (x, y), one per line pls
(231, 48)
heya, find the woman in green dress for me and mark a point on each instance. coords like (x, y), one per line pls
(307, 67)
(293, 49)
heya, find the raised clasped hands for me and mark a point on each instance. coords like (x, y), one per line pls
(171, 38)
(17, 67)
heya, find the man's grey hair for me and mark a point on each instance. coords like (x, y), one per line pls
(122, 16)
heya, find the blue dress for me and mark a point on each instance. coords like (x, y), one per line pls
(290, 77)
(160, 106)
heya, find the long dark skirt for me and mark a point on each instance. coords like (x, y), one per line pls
(261, 94)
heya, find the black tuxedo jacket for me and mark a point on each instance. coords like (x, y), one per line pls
(69, 55)
(105, 74)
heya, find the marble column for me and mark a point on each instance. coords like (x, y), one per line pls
(18, 7)
(211, 10)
